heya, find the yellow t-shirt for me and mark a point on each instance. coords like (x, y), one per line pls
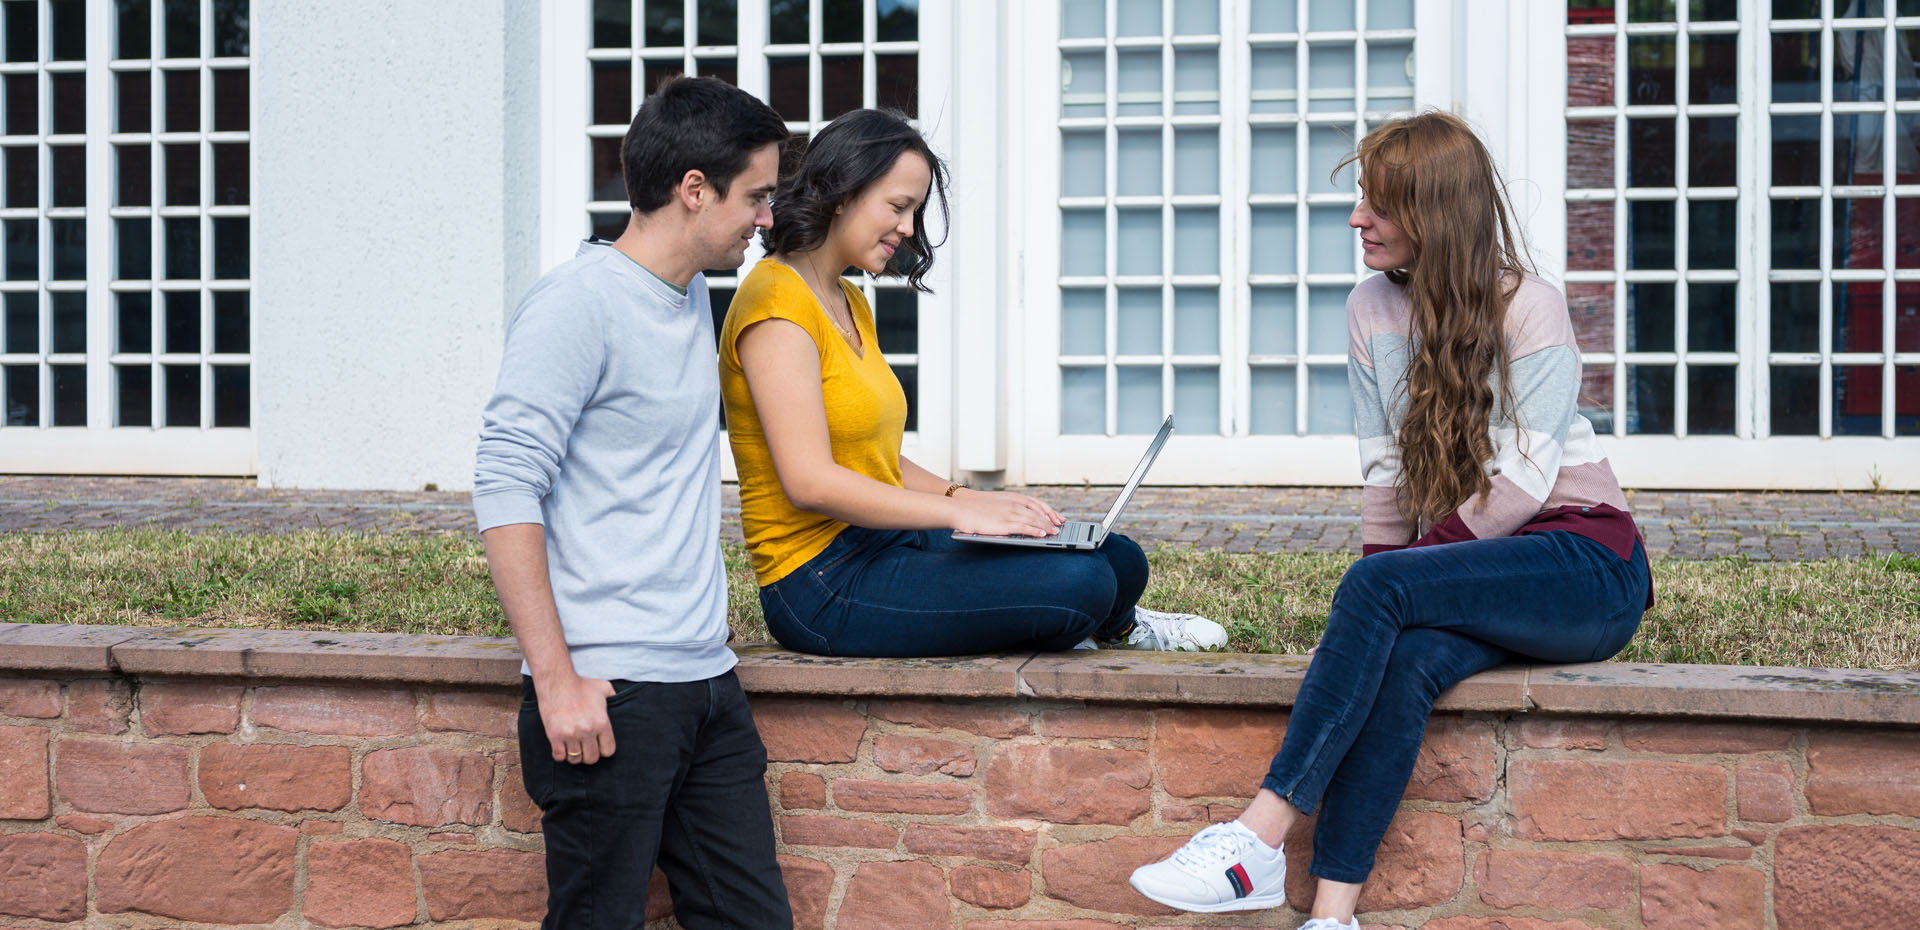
(866, 415)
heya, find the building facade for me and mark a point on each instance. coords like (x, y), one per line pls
(1144, 221)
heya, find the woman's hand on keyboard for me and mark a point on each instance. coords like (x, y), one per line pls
(1003, 513)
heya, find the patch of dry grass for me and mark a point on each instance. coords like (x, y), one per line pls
(1861, 613)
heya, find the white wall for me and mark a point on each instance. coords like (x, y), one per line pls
(396, 153)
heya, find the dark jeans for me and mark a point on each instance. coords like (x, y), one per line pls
(1409, 624)
(685, 787)
(923, 593)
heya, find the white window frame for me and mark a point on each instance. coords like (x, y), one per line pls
(101, 447)
(567, 168)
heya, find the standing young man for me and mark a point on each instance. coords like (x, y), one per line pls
(597, 489)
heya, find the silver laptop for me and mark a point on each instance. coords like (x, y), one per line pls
(1080, 534)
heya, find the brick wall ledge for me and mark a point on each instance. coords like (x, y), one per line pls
(1231, 679)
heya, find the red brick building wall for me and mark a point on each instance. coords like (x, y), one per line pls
(926, 797)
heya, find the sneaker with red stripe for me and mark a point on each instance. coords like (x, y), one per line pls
(1224, 867)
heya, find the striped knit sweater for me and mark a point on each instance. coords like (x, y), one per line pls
(1547, 471)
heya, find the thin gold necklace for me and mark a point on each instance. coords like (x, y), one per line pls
(827, 308)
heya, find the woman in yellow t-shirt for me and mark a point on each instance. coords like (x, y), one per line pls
(850, 541)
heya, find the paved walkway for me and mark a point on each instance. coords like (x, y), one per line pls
(1692, 525)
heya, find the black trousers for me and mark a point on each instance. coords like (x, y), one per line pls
(685, 788)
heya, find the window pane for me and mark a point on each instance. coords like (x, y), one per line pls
(1137, 17)
(1710, 400)
(1139, 246)
(1330, 15)
(1650, 11)
(1856, 148)
(1276, 16)
(230, 395)
(1196, 81)
(1083, 242)
(788, 87)
(1083, 322)
(69, 175)
(1083, 401)
(1649, 317)
(133, 173)
(1329, 406)
(1713, 65)
(1196, 240)
(182, 321)
(182, 100)
(718, 23)
(1273, 241)
(1331, 80)
(23, 31)
(232, 327)
(1138, 400)
(1274, 394)
(896, 321)
(133, 28)
(840, 80)
(1330, 243)
(1138, 93)
(1273, 164)
(183, 173)
(1650, 399)
(1196, 161)
(133, 92)
(1796, 150)
(230, 29)
(1713, 149)
(898, 20)
(1856, 400)
(1274, 80)
(69, 394)
(1196, 19)
(183, 394)
(230, 178)
(652, 75)
(69, 249)
(69, 21)
(23, 104)
(133, 322)
(786, 21)
(133, 248)
(1327, 320)
(1650, 78)
(21, 396)
(1857, 316)
(1138, 311)
(897, 83)
(1650, 234)
(1083, 19)
(1196, 400)
(1272, 322)
(664, 23)
(1796, 66)
(1196, 321)
(1794, 401)
(21, 326)
(133, 395)
(1710, 241)
(1795, 316)
(182, 28)
(69, 96)
(1650, 152)
(231, 252)
(1138, 163)
(230, 100)
(23, 249)
(612, 91)
(1083, 164)
(1390, 14)
(183, 247)
(1389, 75)
(1712, 315)
(1596, 397)
(1796, 233)
(1858, 237)
(1591, 307)
(1326, 146)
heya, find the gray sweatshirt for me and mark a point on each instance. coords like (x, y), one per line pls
(603, 428)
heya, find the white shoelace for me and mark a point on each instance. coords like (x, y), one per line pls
(1211, 847)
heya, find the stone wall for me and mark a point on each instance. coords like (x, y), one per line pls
(295, 779)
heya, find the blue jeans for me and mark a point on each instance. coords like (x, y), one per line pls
(1407, 625)
(685, 789)
(923, 593)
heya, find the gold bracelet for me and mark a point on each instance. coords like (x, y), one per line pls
(955, 487)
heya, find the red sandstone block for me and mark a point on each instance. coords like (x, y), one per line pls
(1702, 852)
(481, 712)
(802, 791)
(895, 895)
(180, 708)
(1557, 800)
(990, 888)
(43, 875)
(122, 778)
(1559, 881)
(99, 705)
(1751, 837)
(336, 711)
(220, 870)
(90, 826)
(1069, 784)
(517, 810)
(1457, 762)
(1675, 897)
(470, 884)
(978, 719)
(1002, 844)
(1764, 790)
(1505, 923)
(799, 730)
(1421, 863)
(1046, 925)
(1706, 738)
(1863, 773)
(1865, 874)
(1094, 723)
(25, 792)
(29, 697)
(1094, 875)
(427, 786)
(815, 830)
(276, 777)
(360, 883)
(914, 755)
(901, 797)
(809, 887)
(1559, 733)
(1215, 752)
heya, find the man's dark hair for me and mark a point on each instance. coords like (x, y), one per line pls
(852, 152)
(693, 124)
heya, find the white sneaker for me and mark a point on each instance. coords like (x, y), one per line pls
(1157, 629)
(1224, 867)
(1328, 923)
(1088, 643)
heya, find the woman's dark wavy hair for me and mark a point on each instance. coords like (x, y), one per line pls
(850, 153)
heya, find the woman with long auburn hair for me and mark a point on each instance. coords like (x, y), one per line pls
(1493, 528)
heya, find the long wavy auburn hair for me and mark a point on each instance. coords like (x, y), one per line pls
(1430, 175)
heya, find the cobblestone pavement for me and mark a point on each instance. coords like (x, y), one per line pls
(1677, 524)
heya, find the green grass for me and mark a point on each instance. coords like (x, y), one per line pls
(1859, 613)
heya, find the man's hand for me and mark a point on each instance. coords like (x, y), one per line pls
(574, 712)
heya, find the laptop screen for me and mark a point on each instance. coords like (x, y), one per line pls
(1139, 472)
